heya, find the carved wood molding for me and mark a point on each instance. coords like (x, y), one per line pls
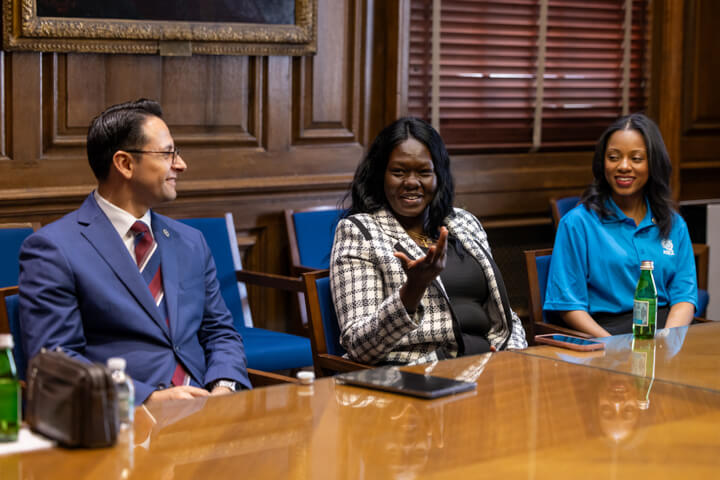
(700, 76)
(25, 30)
(188, 189)
(346, 65)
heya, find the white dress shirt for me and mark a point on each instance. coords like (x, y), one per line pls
(122, 221)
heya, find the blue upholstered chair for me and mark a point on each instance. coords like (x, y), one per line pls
(12, 236)
(10, 323)
(266, 350)
(310, 237)
(560, 206)
(538, 268)
(324, 329)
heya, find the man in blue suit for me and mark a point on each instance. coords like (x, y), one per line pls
(114, 278)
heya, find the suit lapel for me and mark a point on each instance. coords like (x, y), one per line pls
(101, 234)
(166, 238)
(392, 228)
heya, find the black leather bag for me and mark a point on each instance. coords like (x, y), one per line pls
(71, 401)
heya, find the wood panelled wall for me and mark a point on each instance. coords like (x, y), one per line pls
(261, 134)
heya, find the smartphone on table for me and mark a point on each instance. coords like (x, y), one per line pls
(570, 342)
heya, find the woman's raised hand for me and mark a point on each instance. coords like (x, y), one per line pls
(421, 272)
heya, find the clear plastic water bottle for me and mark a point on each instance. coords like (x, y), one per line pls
(125, 391)
(9, 392)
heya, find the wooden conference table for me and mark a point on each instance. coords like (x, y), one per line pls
(687, 356)
(534, 415)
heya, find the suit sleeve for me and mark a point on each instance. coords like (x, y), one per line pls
(371, 323)
(49, 312)
(222, 344)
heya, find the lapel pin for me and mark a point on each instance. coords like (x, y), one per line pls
(166, 233)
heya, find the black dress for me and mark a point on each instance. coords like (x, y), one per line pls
(467, 289)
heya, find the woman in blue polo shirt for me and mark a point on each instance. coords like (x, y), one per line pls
(625, 216)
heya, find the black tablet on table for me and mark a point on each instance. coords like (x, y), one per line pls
(392, 379)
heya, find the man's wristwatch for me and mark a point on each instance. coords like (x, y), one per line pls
(225, 383)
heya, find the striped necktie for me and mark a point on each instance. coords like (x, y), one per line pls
(149, 265)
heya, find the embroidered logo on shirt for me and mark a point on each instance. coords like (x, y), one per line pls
(667, 246)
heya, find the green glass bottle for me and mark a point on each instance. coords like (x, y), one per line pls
(643, 367)
(645, 303)
(9, 392)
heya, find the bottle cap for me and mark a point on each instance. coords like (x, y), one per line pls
(6, 341)
(116, 363)
(647, 265)
(306, 377)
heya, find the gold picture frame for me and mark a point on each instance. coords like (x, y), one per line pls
(23, 29)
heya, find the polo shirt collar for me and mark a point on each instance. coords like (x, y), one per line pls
(619, 216)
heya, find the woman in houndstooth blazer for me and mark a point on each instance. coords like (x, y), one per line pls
(394, 298)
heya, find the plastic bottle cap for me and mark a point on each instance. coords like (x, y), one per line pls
(116, 363)
(6, 341)
(306, 377)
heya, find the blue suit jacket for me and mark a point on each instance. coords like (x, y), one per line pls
(81, 290)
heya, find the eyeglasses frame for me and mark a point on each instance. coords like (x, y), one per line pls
(175, 153)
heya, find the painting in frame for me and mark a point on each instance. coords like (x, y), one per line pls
(173, 27)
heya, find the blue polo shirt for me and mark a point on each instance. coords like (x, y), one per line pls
(595, 264)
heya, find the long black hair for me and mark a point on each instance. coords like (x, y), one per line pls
(657, 188)
(367, 190)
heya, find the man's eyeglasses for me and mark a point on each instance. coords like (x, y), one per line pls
(174, 153)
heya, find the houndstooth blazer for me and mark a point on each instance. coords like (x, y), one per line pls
(365, 279)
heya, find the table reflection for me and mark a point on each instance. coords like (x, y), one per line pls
(682, 355)
(530, 417)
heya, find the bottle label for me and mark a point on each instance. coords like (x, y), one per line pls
(641, 313)
(638, 363)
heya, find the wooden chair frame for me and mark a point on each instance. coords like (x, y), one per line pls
(556, 211)
(259, 378)
(296, 266)
(537, 326)
(4, 320)
(702, 257)
(325, 363)
(34, 225)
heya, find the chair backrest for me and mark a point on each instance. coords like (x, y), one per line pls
(560, 206)
(10, 323)
(538, 268)
(220, 236)
(12, 236)
(324, 328)
(310, 236)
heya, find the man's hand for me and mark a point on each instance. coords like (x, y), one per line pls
(221, 391)
(184, 392)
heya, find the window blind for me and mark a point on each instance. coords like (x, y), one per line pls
(489, 55)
